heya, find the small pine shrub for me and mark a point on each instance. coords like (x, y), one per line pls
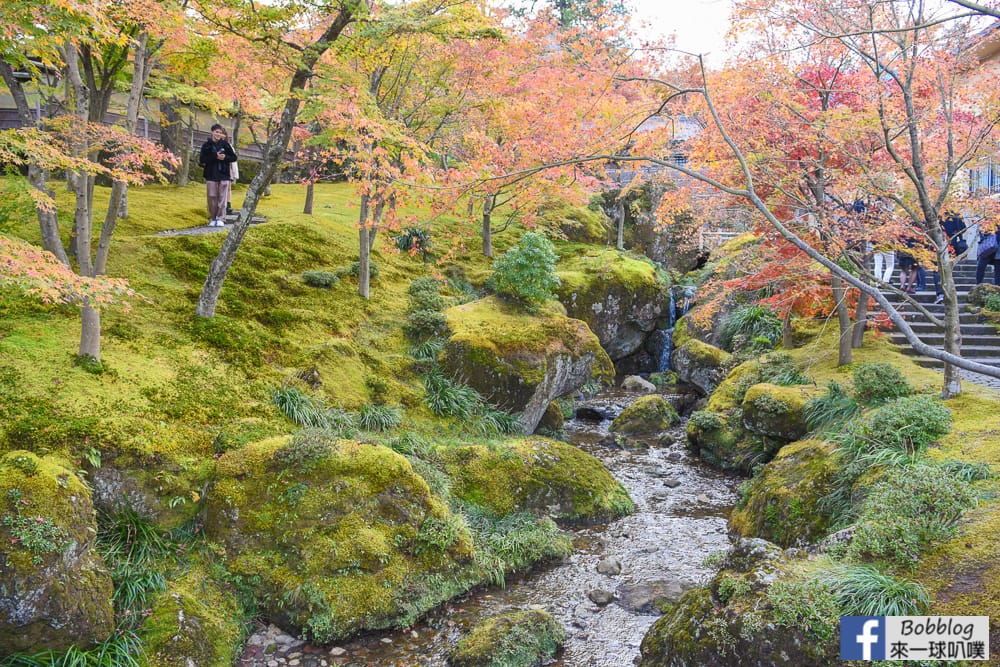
(425, 294)
(306, 448)
(877, 382)
(379, 417)
(864, 591)
(323, 279)
(833, 407)
(745, 325)
(424, 323)
(526, 272)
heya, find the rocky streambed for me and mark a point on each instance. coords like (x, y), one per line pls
(606, 594)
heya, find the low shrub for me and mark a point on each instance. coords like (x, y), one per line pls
(413, 240)
(447, 398)
(909, 423)
(355, 270)
(905, 513)
(323, 279)
(809, 604)
(705, 420)
(992, 301)
(305, 449)
(879, 381)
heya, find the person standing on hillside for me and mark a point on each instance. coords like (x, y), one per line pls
(216, 156)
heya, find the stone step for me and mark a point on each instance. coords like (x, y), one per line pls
(923, 297)
(925, 327)
(937, 339)
(929, 362)
(976, 352)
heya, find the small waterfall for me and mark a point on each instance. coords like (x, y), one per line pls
(664, 339)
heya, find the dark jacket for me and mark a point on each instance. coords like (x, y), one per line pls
(216, 169)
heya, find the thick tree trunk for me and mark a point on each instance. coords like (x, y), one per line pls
(308, 208)
(90, 333)
(172, 135)
(488, 204)
(274, 153)
(843, 319)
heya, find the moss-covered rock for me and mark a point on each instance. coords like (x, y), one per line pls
(513, 639)
(553, 419)
(778, 411)
(539, 475)
(519, 361)
(620, 297)
(54, 589)
(163, 493)
(343, 536)
(194, 622)
(649, 414)
(755, 611)
(720, 439)
(782, 503)
(698, 363)
(977, 295)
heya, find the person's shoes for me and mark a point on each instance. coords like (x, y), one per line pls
(939, 299)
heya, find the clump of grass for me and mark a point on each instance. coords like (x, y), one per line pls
(447, 398)
(122, 649)
(311, 412)
(512, 542)
(428, 350)
(134, 551)
(491, 422)
(863, 590)
(379, 417)
(322, 279)
(834, 407)
(744, 326)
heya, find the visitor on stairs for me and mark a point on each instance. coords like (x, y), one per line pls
(986, 254)
(954, 228)
(883, 257)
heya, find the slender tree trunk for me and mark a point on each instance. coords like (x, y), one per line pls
(619, 213)
(171, 135)
(843, 319)
(274, 153)
(860, 321)
(47, 220)
(787, 337)
(488, 204)
(364, 254)
(308, 208)
(184, 177)
(952, 327)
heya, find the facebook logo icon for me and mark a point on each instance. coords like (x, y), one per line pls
(862, 638)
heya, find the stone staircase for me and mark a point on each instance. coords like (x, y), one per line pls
(979, 341)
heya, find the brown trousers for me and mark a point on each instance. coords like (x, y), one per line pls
(218, 195)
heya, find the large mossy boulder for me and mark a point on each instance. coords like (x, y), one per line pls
(522, 362)
(778, 411)
(783, 503)
(342, 536)
(696, 362)
(755, 611)
(54, 589)
(649, 414)
(538, 475)
(196, 621)
(620, 298)
(513, 639)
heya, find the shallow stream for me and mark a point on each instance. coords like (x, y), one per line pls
(680, 518)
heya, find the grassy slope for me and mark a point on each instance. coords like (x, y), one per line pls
(963, 575)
